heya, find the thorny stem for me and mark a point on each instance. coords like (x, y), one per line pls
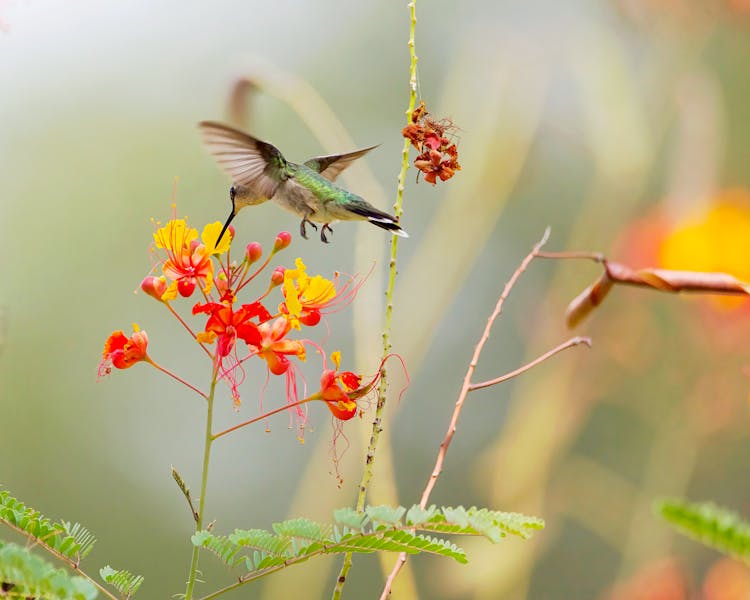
(204, 480)
(72, 564)
(467, 387)
(377, 427)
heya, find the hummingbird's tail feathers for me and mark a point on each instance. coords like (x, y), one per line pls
(394, 228)
(377, 217)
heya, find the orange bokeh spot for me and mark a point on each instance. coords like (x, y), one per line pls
(716, 240)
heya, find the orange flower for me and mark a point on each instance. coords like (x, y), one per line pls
(188, 261)
(727, 579)
(270, 342)
(123, 352)
(438, 156)
(716, 240)
(433, 165)
(336, 388)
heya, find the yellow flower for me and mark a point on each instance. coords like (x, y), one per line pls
(305, 296)
(209, 235)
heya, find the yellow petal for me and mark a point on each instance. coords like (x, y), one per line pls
(209, 277)
(210, 234)
(170, 293)
(319, 290)
(293, 322)
(206, 337)
(336, 358)
(292, 298)
(175, 235)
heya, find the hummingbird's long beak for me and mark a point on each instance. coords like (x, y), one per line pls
(226, 225)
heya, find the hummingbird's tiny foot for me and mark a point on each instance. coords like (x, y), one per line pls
(303, 229)
(323, 237)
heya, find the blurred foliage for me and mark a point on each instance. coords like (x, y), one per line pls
(710, 524)
(25, 575)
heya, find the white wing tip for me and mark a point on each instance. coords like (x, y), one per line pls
(400, 233)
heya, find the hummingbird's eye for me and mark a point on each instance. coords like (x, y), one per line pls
(232, 193)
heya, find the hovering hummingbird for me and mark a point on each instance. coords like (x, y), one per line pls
(260, 173)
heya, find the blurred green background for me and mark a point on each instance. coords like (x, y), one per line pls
(585, 116)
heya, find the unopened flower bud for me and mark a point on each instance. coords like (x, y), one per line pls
(221, 282)
(253, 252)
(277, 278)
(282, 241)
(154, 286)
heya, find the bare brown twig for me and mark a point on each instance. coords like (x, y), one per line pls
(468, 386)
(574, 341)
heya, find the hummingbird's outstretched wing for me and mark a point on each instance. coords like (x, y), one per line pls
(250, 162)
(330, 166)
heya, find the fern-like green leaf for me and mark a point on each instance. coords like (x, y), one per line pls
(221, 546)
(262, 540)
(72, 541)
(377, 528)
(82, 536)
(398, 540)
(25, 575)
(710, 524)
(303, 529)
(386, 515)
(348, 517)
(417, 514)
(492, 524)
(123, 581)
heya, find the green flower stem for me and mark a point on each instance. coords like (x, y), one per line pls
(377, 424)
(204, 480)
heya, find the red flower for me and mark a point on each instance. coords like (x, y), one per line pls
(438, 156)
(335, 390)
(434, 165)
(226, 324)
(123, 352)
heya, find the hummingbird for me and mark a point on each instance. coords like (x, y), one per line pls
(261, 173)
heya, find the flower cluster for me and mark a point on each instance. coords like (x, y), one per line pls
(231, 332)
(438, 154)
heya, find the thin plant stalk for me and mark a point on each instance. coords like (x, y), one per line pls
(377, 424)
(208, 440)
